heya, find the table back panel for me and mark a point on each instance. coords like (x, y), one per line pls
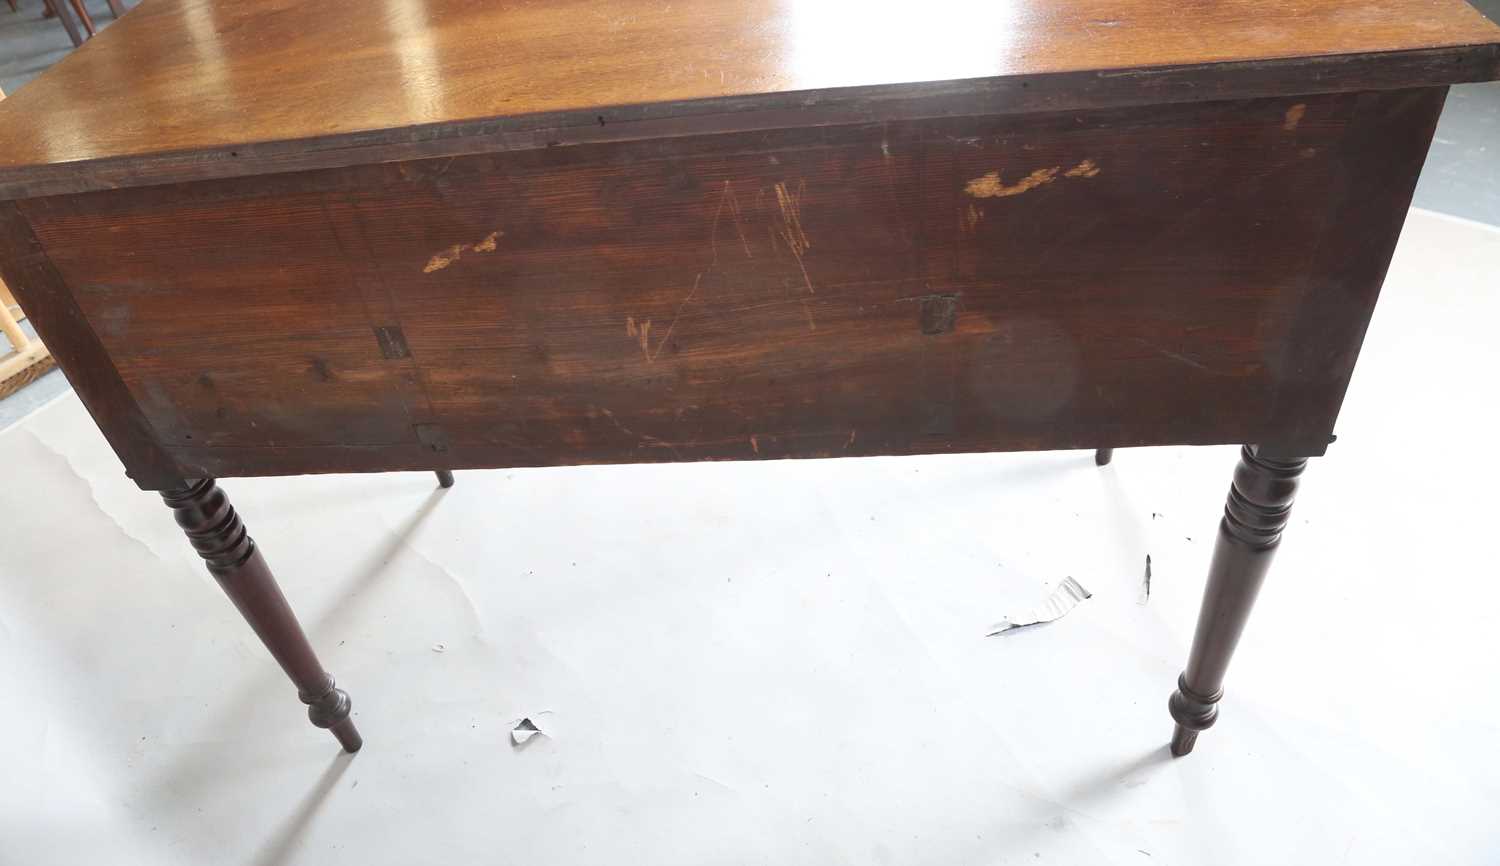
(1177, 274)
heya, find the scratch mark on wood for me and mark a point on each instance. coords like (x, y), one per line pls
(642, 333)
(734, 210)
(1087, 168)
(1174, 355)
(754, 445)
(1294, 117)
(812, 324)
(648, 439)
(392, 342)
(791, 216)
(727, 200)
(791, 227)
(972, 217)
(850, 443)
(652, 356)
(448, 256)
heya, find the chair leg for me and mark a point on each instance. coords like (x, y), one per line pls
(13, 6)
(83, 15)
(445, 478)
(1103, 456)
(65, 16)
(1260, 502)
(216, 532)
(116, 7)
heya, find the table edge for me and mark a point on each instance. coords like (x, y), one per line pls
(1019, 94)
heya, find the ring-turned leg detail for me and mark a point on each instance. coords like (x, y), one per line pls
(328, 707)
(219, 536)
(1260, 502)
(1103, 456)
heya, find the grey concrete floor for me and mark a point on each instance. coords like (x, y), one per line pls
(1462, 177)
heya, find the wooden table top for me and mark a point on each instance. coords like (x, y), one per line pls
(180, 84)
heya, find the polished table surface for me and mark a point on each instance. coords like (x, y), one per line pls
(194, 81)
(275, 237)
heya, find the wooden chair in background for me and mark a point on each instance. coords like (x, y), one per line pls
(75, 18)
(84, 17)
(28, 358)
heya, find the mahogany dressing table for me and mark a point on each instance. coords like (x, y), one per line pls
(266, 239)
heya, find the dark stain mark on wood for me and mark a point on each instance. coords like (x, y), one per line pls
(392, 342)
(938, 313)
(432, 436)
(320, 370)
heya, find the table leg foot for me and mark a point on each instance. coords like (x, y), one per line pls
(1103, 456)
(1183, 740)
(1260, 503)
(219, 536)
(445, 478)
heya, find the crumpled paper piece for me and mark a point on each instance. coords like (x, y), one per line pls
(1068, 595)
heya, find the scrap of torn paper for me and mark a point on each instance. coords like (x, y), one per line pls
(525, 728)
(523, 731)
(1068, 595)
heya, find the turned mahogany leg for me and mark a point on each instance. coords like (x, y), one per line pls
(445, 478)
(216, 532)
(1103, 456)
(1260, 501)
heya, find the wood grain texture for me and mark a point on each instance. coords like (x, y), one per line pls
(1180, 274)
(190, 89)
(50, 305)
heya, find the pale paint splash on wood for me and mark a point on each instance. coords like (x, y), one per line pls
(991, 185)
(446, 257)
